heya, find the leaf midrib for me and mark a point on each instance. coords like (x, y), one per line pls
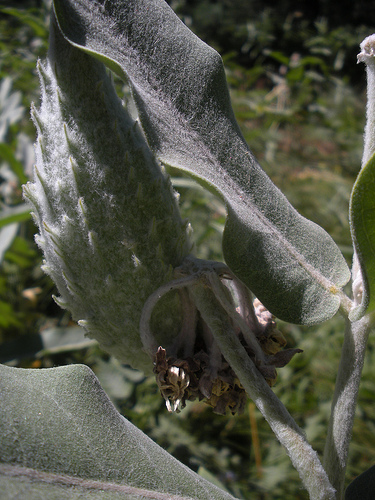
(34, 475)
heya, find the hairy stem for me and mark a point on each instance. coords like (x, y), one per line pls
(149, 342)
(249, 336)
(303, 457)
(345, 400)
(367, 55)
(356, 333)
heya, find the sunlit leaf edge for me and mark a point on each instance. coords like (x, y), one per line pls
(362, 225)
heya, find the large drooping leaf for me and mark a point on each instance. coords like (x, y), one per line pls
(179, 87)
(61, 437)
(362, 222)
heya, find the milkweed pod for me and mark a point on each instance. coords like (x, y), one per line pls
(93, 191)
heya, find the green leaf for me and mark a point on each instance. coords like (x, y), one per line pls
(362, 223)
(7, 235)
(18, 213)
(8, 317)
(26, 17)
(179, 87)
(279, 57)
(362, 487)
(50, 341)
(58, 339)
(18, 348)
(59, 432)
(7, 154)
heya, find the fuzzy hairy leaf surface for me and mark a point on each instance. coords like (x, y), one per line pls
(178, 84)
(362, 221)
(61, 437)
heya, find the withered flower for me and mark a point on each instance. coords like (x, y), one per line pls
(203, 374)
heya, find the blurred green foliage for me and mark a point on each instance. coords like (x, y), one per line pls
(299, 98)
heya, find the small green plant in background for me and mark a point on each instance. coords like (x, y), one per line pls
(120, 254)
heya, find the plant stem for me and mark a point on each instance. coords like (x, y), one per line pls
(345, 400)
(255, 440)
(149, 342)
(303, 457)
(367, 55)
(356, 333)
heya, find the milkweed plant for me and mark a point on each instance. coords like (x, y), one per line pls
(121, 256)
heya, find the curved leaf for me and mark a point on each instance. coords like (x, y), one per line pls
(362, 487)
(59, 431)
(178, 83)
(362, 223)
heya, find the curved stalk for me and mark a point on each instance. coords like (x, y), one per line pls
(303, 457)
(345, 400)
(148, 340)
(356, 333)
(249, 336)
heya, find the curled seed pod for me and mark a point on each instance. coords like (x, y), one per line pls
(109, 224)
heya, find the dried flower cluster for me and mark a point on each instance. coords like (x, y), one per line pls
(193, 378)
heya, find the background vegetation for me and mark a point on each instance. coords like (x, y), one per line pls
(300, 100)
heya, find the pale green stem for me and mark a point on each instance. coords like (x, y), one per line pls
(356, 333)
(249, 336)
(303, 457)
(345, 401)
(367, 55)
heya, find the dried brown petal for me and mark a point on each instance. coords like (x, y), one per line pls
(282, 358)
(269, 373)
(180, 380)
(272, 341)
(213, 380)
